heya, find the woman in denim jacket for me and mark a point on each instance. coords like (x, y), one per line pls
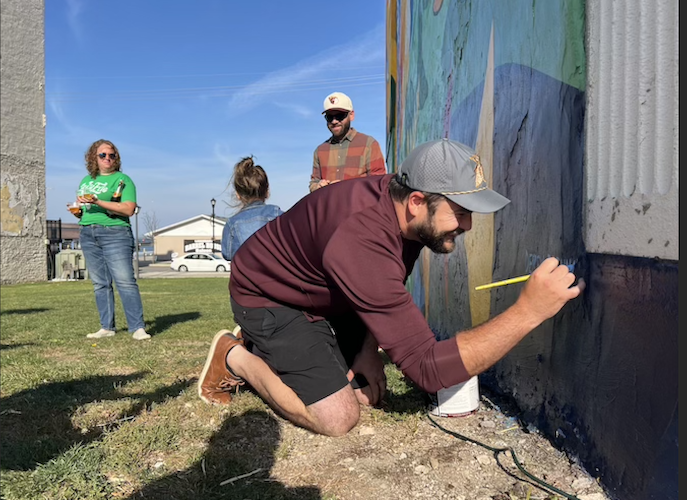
(252, 189)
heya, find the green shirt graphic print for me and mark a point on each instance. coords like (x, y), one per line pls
(104, 186)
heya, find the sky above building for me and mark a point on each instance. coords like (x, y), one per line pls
(187, 89)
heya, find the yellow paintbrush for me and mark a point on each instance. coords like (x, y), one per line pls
(519, 279)
(509, 281)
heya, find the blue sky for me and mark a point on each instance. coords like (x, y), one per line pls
(186, 89)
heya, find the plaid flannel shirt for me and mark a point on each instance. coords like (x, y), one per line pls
(356, 155)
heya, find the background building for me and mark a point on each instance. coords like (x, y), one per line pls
(190, 235)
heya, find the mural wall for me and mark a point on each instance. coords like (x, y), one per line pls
(508, 79)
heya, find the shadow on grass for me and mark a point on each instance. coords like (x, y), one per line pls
(408, 403)
(403, 396)
(24, 311)
(162, 323)
(14, 346)
(246, 446)
(36, 424)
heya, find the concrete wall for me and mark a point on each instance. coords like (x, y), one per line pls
(632, 128)
(22, 142)
(510, 78)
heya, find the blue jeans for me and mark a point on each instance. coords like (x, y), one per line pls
(109, 254)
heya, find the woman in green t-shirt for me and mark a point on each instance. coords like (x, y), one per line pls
(107, 199)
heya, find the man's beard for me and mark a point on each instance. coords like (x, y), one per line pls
(436, 242)
(344, 130)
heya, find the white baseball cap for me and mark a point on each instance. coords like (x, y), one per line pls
(337, 100)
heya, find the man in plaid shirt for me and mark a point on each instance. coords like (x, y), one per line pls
(347, 154)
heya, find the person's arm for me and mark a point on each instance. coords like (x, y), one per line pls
(316, 175)
(366, 269)
(363, 260)
(227, 252)
(376, 160)
(369, 363)
(126, 208)
(547, 290)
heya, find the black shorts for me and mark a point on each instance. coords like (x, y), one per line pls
(312, 358)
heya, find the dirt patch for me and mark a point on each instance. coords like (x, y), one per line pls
(383, 460)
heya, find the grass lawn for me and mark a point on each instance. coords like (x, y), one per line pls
(119, 418)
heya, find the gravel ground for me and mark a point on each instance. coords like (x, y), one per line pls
(383, 460)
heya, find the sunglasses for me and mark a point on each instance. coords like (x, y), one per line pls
(339, 117)
(105, 155)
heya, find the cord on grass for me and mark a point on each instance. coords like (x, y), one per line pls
(496, 452)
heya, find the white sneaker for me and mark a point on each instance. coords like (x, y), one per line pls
(100, 334)
(140, 334)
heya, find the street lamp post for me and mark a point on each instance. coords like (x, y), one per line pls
(138, 245)
(212, 202)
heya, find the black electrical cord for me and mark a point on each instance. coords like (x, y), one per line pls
(496, 451)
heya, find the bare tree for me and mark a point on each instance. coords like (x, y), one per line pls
(150, 222)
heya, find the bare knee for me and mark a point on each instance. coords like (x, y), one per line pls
(342, 425)
(337, 414)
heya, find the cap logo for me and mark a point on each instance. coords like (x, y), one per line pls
(333, 99)
(479, 171)
(480, 181)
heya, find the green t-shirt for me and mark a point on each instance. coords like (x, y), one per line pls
(104, 186)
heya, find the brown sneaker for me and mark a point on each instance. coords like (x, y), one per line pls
(216, 381)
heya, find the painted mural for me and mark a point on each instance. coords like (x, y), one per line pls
(508, 79)
(448, 77)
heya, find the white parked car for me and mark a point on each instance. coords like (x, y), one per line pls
(200, 262)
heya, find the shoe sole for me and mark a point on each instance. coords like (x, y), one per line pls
(91, 336)
(208, 362)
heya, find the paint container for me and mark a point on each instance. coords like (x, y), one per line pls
(459, 400)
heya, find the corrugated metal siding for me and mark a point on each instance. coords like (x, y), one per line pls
(632, 127)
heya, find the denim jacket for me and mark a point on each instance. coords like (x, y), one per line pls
(244, 223)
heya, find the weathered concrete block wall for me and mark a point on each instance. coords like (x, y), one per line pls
(22, 143)
(632, 128)
(510, 78)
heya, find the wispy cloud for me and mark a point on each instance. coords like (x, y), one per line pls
(299, 110)
(335, 62)
(74, 10)
(63, 125)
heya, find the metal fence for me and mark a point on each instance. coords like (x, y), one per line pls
(54, 240)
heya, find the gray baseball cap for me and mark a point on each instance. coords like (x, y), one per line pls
(453, 169)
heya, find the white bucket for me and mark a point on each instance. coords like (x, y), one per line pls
(457, 401)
